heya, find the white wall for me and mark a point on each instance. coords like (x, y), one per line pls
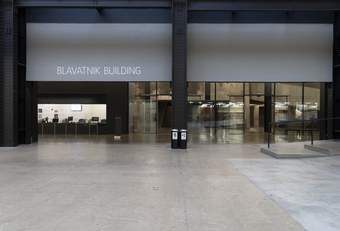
(64, 111)
(260, 52)
(53, 45)
(216, 52)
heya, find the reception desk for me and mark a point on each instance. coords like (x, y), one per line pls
(72, 128)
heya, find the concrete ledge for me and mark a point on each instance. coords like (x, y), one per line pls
(327, 147)
(316, 148)
(288, 154)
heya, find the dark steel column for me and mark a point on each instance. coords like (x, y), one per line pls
(179, 64)
(336, 77)
(268, 107)
(323, 111)
(8, 75)
(329, 110)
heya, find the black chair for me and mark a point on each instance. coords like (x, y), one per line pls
(82, 121)
(95, 119)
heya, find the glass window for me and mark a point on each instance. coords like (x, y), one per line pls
(311, 100)
(164, 88)
(66, 113)
(225, 90)
(196, 91)
(254, 107)
(288, 101)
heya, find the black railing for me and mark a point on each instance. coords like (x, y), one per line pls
(301, 126)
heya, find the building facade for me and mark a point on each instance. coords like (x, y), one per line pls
(227, 71)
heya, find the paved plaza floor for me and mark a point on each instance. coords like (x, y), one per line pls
(87, 185)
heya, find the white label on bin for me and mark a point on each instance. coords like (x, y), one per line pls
(174, 136)
(183, 136)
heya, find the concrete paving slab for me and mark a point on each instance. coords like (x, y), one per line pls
(308, 188)
(89, 186)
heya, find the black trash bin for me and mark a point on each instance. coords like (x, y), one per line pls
(183, 139)
(117, 128)
(174, 138)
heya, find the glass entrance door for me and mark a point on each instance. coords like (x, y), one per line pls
(150, 107)
(201, 111)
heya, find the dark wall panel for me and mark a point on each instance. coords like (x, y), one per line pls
(2, 40)
(220, 16)
(87, 15)
(265, 5)
(336, 77)
(8, 75)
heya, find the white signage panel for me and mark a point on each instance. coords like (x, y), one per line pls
(216, 52)
(98, 52)
(260, 52)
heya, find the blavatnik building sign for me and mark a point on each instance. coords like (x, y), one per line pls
(109, 71)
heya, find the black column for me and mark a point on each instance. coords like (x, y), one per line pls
(268, 107)
(336, 77)
(324, 111)
(179, 64)
(329, 110)
(8, 75)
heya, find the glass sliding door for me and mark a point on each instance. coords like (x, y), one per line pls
(142, 107)
(254, 107)
(289, 107)
(201, 112)
(163, 97)
(150, 107)
(311, 102)
(215, 111)
(229, 112)
(253, 112)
